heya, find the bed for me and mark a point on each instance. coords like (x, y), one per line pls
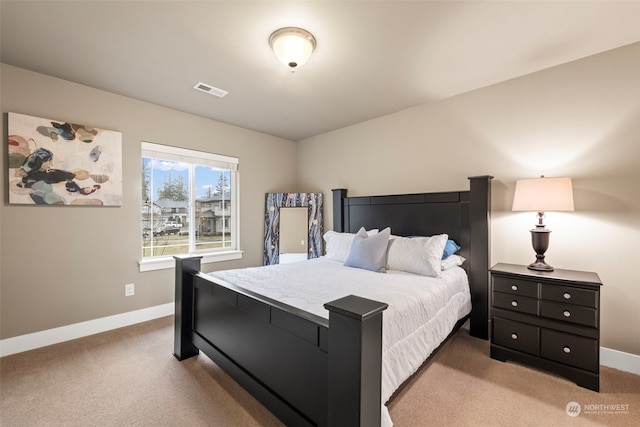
(314, 369)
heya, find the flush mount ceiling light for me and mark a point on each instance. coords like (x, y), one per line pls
(292, 46)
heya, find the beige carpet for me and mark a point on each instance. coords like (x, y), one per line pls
(128, 377)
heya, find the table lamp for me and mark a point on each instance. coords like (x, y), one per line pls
(542, 195)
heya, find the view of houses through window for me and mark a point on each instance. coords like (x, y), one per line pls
(188, 201)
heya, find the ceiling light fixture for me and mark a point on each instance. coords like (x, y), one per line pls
(292, 46)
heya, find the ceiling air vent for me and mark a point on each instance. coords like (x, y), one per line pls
(203, 87)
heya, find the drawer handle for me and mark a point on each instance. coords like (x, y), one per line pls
(514, 287)
(567, 313)
(566, 295)
(567, 349)
(514, 303)
(514, 336)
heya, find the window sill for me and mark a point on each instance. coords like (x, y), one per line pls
(162, 263)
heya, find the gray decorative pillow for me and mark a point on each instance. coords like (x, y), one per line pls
(369, 252)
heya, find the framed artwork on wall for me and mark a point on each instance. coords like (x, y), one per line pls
(52, 162)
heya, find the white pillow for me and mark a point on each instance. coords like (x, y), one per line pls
(369, 252)
(452, 261)
(338, 244)
(418, 255)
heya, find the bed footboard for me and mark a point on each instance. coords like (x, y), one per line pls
(186, 267)
(306, 370)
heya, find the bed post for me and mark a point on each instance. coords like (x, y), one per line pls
(186, 266)
(355, 361)
(339, 196)
(479, 220)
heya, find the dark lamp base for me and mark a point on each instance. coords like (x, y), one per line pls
(540, 266)
(540, 242)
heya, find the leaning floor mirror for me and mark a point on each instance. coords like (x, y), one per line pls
(292, 227)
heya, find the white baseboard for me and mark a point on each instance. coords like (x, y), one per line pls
(613, 358)
(620, 360)
(78, 330)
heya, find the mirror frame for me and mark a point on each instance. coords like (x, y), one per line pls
(273, 202)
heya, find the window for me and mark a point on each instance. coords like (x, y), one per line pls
(189, 205)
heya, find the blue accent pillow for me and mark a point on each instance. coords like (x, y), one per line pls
(369, 252)
(450, 248)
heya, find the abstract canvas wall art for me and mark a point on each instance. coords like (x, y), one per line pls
(53, 162)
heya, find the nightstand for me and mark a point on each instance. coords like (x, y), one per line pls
(548, 320)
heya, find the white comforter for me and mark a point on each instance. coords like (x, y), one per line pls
(422, 310)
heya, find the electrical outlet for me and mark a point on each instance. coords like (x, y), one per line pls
(129, 290)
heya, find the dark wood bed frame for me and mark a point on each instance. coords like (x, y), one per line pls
(306, 370)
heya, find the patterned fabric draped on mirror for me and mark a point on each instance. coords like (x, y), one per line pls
(273, 203)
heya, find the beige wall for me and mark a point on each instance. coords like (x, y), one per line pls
(64, 265)
(580, 119)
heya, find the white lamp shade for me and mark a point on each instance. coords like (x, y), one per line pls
(292, 46)
(543, 195)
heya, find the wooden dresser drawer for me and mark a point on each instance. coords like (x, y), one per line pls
(510, 285)
(570, 295)
(516, 336)
(569, 313)
(515, 303)
(569, 349)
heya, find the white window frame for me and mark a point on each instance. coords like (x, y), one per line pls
(166, 152)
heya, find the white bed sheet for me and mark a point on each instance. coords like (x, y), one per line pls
(422, 310)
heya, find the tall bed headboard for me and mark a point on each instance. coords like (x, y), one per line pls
(463, 215)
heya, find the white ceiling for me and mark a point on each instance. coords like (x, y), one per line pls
(372, 58)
